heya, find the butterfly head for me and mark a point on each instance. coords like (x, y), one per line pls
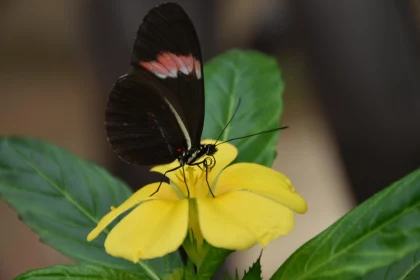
(210, 149)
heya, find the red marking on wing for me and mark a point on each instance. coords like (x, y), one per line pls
(169, 64)
(189, 62)
(180, 63)
(197, 68)
(197, 65)
(166, 60)
(159, 68)
(155, 67)
(147, 65)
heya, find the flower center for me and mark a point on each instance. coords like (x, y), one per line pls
(194, 180)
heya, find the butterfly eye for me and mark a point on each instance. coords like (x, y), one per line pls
(179, 150)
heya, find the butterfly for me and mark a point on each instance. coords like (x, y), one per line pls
(155, 113)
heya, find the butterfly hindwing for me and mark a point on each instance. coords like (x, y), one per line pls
(167, 46)
(140, 125)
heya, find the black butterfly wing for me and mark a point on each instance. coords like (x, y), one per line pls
(167, 46)
(140, 124)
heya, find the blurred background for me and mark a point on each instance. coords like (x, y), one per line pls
(352, 98)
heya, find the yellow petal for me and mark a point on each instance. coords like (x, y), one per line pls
(166, 193)
(260, 180)
(238, 220)
(151, 230)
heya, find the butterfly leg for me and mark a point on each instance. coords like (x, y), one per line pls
(207, 167)
(211, 165)
(164, 174)
(197, 164)
(185, 181)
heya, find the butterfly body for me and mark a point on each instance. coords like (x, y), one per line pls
(191, 156)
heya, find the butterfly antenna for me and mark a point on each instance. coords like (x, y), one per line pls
(234, 113)
(262, 132)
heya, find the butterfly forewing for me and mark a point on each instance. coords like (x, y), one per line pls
(167, 46)
(140, 125)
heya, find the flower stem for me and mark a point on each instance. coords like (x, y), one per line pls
(149, 271)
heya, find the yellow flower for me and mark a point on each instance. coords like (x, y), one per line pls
(252, 204)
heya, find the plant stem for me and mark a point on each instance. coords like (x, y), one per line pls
(149, 271)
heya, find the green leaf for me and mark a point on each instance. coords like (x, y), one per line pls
(211, 262)
(380, 239)
(78, 272)
(254, 271)
(226, 276)
(62, 198)
(189, 271)
(414, 273)
(177, 274)
(255, 79)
